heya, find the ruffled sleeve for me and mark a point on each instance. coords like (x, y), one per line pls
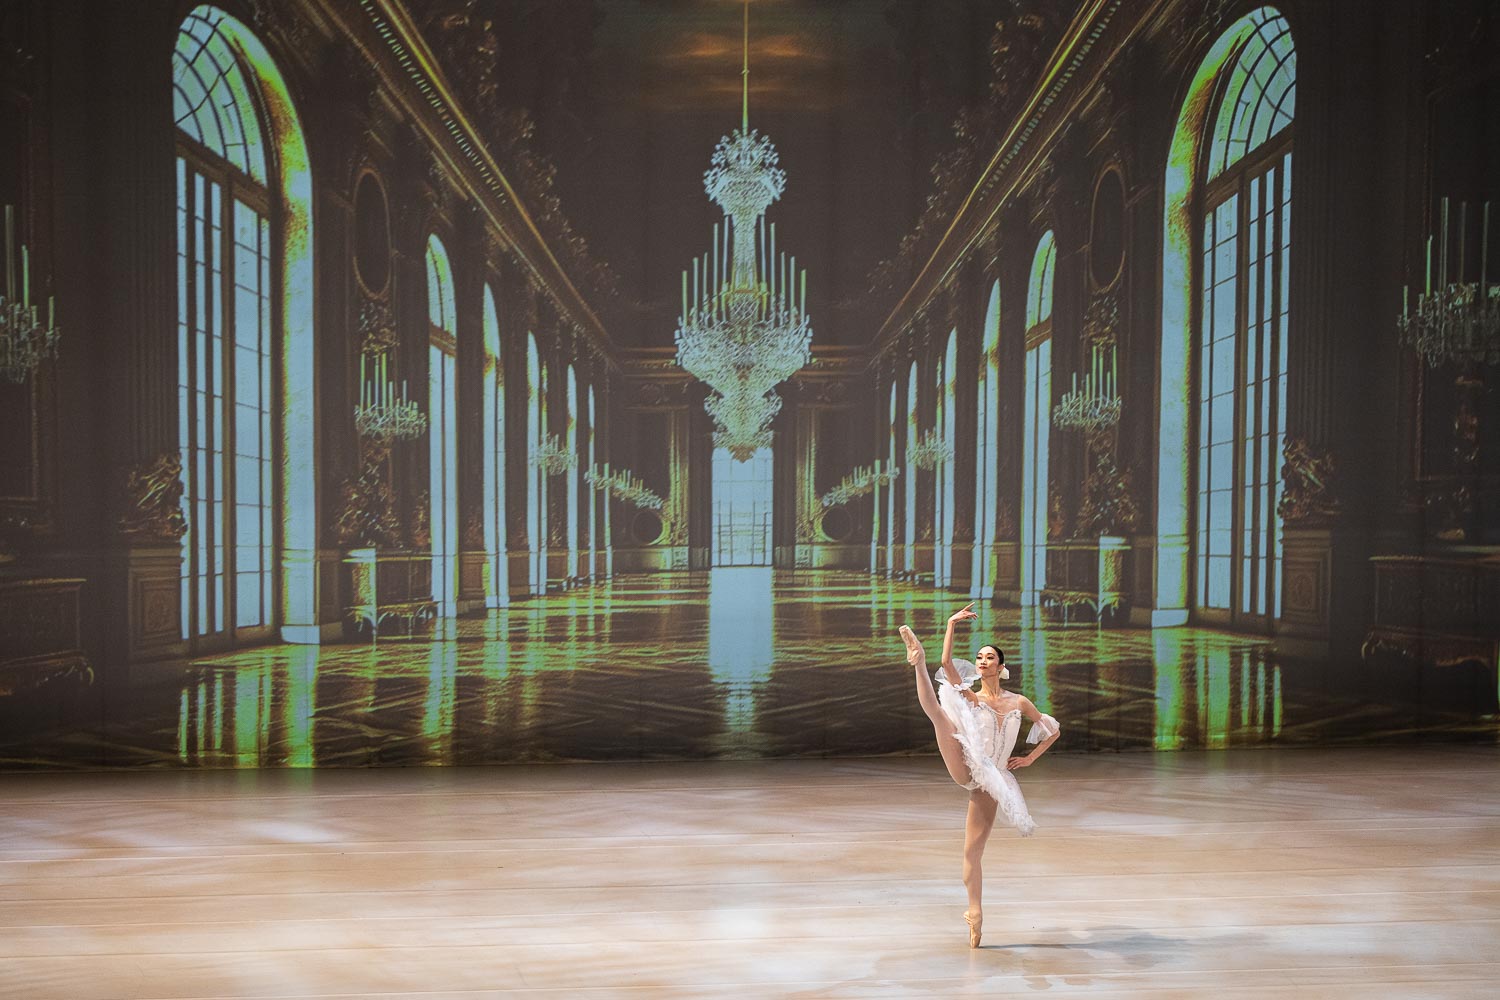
(967, 673)
(1043, 729)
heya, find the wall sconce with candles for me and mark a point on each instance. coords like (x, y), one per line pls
(384, 413)
(1458, 321)
(1095, 406)
(25, 341)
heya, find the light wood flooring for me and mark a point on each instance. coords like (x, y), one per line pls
(1332, 873)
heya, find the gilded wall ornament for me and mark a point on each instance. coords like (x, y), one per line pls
(1307, 497)
(152, 504)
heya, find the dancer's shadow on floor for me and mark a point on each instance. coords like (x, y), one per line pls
(1130, 949)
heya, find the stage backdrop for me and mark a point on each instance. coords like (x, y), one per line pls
(477, 381)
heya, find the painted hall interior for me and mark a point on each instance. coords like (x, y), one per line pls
(1213, 206)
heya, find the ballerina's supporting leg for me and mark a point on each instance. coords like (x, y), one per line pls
(942, 726)
(977, 827)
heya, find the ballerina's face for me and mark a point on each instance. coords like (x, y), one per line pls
(988, 661)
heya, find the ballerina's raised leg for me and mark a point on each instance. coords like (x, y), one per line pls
(942, 726)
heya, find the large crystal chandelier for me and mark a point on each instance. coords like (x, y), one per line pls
(744, 328)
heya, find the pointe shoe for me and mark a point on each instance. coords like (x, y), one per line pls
(976, 923)
(914, 650)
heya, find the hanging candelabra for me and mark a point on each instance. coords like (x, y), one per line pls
(929, 450)
(855, 484)
(552, 456)
(623, 485)
(744, 327)
(1458, 321)
(25, 341)
(1094, 406)
(384, 413)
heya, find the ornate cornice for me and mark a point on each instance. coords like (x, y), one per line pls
(1088, 46)
(384, 31)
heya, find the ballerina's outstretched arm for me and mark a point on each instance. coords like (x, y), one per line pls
(966, 613)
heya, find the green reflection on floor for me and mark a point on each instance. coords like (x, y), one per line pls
(730, 663)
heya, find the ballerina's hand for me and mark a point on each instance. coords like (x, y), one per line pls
(970, 696)
(1017, 762)
(963, 614)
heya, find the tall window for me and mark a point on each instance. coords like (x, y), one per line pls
(497, 590)
(910, 473)
(742, 493)
(590, 495)
(227, 353)
(442, 435)
(890, 491)
(1038, 422)
(987, 453)
(1242, 346)
(536, 484)
(947, 386)
(572, 477)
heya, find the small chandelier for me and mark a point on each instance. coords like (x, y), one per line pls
(623, 485)
(929, 450)
(384, 413)
(856, 484)
(1094, 406)
(552, 457)
(1458, 322)
(744, 327)
(25, 342)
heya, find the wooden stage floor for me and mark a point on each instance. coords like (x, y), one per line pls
(1271, 873)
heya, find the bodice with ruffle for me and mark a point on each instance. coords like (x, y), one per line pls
(987, 738)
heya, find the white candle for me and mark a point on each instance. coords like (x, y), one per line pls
(1113, 375)
(1429, 266)
(804, 291)
(1443, 253)
(10, 254)
(1463, 237)
(361, 379)
(52, 312)
(1484, 249)
(760, 250)
(1405, 308)
(25, 277)
(684, 297)
(771, 268)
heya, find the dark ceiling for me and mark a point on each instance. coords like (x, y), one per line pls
(629, 98)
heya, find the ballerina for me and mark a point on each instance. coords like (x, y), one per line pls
(975, 733)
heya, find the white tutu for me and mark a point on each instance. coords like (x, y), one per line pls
(987, 740)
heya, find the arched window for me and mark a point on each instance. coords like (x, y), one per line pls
(244, 340)
(987, 453)
(497, 589)
(442, 435)
(1225, 303)
(536, 484)
(573, 479)
(946, 409)
(1038, 422)
(910, 536)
